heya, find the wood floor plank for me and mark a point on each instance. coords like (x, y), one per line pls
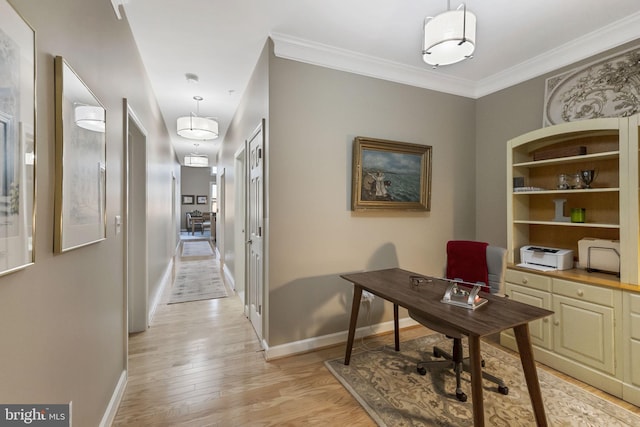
(200, 364)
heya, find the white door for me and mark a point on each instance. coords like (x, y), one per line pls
(255, 244)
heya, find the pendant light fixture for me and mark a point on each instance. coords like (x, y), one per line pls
(196, 160)
(195, 127)
(449, 37)
(90, 117)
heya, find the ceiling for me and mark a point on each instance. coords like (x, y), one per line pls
(220, 41)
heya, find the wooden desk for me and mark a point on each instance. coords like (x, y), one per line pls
(496, 315)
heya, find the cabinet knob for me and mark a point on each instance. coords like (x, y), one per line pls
(525, 280)
(556, 322)
(580, 292)
(545, 320)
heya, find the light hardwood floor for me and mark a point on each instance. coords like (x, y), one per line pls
(200, 364)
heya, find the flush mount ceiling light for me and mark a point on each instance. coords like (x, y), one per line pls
(90, 117)
(195, 127)
(449, 37)
(196, 160)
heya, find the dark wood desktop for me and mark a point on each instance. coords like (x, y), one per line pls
(496, 315)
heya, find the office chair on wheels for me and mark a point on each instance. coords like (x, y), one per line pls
(471, 262)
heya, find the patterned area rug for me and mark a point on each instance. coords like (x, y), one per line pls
(198, 248)
(387, 385)
(197, 280)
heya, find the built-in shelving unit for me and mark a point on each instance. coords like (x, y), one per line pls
(531, 210)
(593, 334)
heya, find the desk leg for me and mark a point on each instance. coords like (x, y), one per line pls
(475, 359)
(396, 325)
(530, 373)
(355, 307)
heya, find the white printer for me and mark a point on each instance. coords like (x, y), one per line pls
(545, 259)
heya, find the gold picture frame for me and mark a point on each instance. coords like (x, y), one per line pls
(390, 175)
(17, 140)
(80, 184)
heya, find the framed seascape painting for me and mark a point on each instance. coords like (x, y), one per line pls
(201, 200)
(390, 175)
(80, 188)
(17, 140)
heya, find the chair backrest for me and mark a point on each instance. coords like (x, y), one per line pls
(475, 262)
(497, 268)
(467, 260)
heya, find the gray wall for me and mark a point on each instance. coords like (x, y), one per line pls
(315, 113)
(62, 320)
(253, 107)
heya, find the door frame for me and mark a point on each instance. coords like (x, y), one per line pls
(137, 309)
(240, 238)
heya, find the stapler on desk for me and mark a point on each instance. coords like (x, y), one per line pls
(465, 295)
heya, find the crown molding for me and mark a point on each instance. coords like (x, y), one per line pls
(608, 37)
(605, 38)
(310, 52)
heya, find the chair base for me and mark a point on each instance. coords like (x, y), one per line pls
(458, 363)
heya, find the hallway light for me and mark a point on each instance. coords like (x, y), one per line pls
(449, 37)
(90, 117)
(195, 127)
(196, 160)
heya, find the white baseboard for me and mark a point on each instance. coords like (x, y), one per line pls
(331, 339)
(155, 300)
(228, 276)
(114, 403)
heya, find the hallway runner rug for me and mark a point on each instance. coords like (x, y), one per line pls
(196, 281)
(197, 248)
(388, 387)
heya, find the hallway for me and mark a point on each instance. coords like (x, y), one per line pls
(200, 364)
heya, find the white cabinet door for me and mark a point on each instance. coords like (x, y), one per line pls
(540, 330)
(584, 332)
(631, 353)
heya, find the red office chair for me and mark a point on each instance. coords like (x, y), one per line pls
(472, 262)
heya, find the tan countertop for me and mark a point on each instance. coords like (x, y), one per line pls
(580, 275)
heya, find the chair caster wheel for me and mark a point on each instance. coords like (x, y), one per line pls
(422, 371)
(436, 352)
(462, 397)
(503, 389)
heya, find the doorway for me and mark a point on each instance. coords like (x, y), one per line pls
(135, 222)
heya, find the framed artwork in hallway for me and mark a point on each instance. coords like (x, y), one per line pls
(17, 140)
(80, 184)
(187, 199)
(202, 200)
